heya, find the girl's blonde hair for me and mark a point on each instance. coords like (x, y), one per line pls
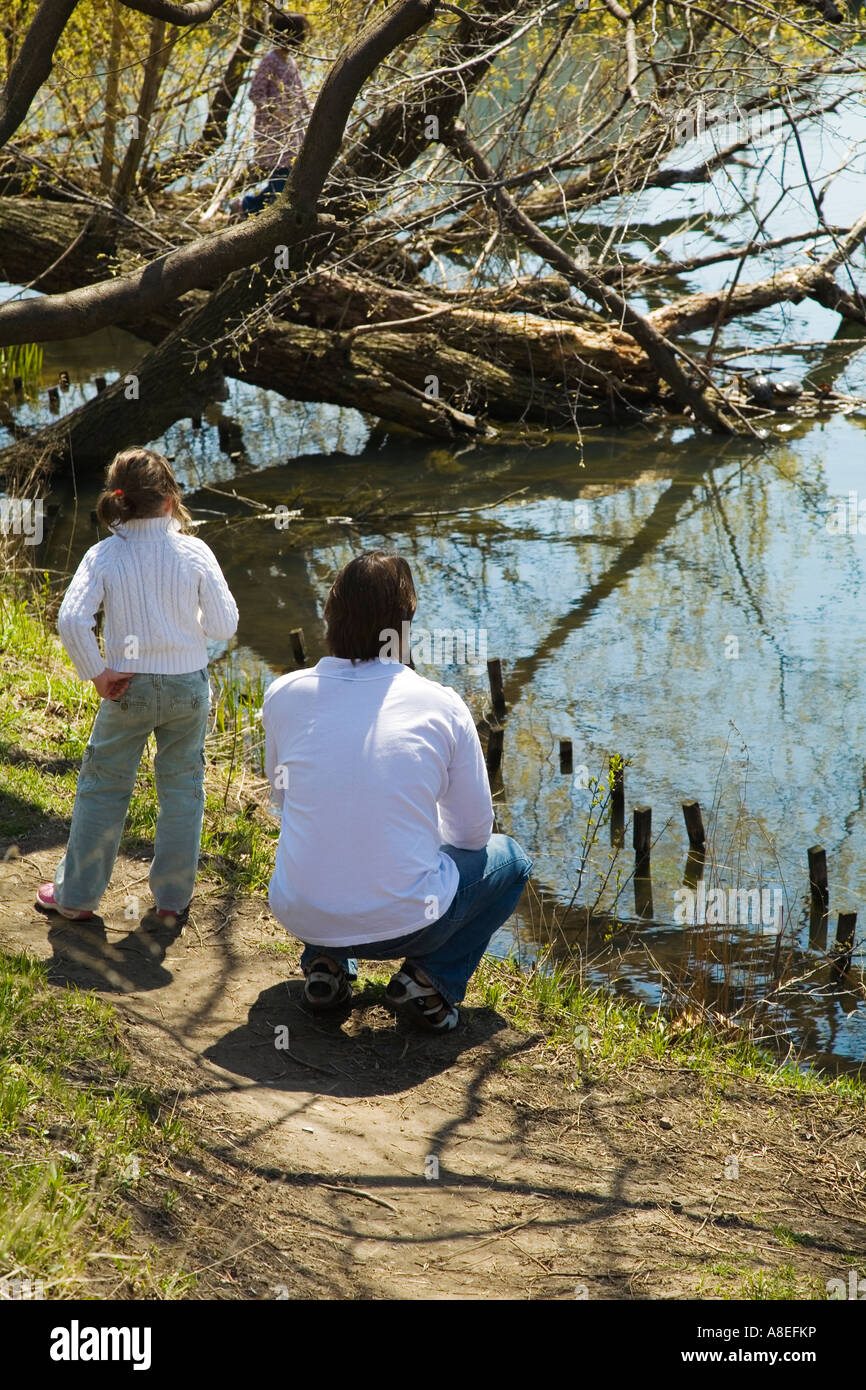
(136, 485)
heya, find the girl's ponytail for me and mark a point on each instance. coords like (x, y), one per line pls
(114, 507)
(137, 485)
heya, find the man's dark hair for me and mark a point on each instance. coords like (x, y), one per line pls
(371, 596)
(290, 27)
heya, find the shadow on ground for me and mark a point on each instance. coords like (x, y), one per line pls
(359, 1050)
(84, 956)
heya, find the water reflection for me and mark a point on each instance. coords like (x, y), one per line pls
(688, 609)
(682, 601)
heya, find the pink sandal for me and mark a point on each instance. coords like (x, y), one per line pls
(45, 903)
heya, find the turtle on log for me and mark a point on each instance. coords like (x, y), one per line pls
(763, 391)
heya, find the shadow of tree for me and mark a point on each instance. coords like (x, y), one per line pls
(23, 821)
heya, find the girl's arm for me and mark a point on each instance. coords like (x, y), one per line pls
(219, 612)
(77, 616)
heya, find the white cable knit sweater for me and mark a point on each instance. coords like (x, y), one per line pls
(162, 593)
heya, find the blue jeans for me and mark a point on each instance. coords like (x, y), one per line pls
(449, 950)
(252, 203)
(175, 708)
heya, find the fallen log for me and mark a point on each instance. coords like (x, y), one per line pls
(812, 280)
(354, 343)
(423, 362)
(442, 364)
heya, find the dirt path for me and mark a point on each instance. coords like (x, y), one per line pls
(314, 1175)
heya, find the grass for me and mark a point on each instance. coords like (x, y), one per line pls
(611, 1034)
(727, 1280)
(76, 1137)
(24, 360)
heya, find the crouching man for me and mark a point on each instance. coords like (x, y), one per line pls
(385, 847)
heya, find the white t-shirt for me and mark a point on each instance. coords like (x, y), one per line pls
(374, 768)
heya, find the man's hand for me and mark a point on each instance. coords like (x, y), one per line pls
(111, 684)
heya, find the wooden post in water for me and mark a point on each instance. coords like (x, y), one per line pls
(642, 833)
(195, 421)
(299, 646)
(818, 874)
(99, 383)
(819, 906)
(53, 398)
(494, 751)
(643, 897)
(845, 928)
(641, 838)
(694, 870)
(777, 954)
(497, 689)
(566, 757)
(694, 824)
(617, 800)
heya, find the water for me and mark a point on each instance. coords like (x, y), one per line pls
(693, 603)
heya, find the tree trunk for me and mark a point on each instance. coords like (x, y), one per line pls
(112, 91)
(439, 369)
(154, 67)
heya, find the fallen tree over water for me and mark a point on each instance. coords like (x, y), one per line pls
(328, 295)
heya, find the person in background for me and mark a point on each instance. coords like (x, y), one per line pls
(385, 847)
(282, 111)
(162, 593)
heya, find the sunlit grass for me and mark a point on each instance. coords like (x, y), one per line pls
(72, 1130)
(729, 1280)
(24, 360)
(612, 1034)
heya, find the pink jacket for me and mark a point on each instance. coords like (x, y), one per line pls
(281, 111)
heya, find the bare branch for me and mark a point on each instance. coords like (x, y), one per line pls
(813, 281)
(214, 129)
(289, 221)
(661, 353)
(33, 65)
(194, 13)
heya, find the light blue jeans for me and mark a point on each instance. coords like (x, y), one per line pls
(449, 950)
(175, 709)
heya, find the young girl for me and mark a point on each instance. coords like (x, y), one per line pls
(282, 111)
(162, 593)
